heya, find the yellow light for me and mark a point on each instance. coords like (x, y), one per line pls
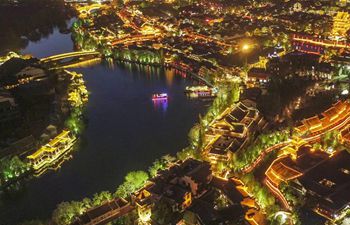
(245, 47)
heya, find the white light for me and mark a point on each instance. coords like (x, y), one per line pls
(345, 92)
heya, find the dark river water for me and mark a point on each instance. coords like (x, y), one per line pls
(125, 131)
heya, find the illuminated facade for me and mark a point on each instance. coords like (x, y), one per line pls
(345, 135)
(144, 205)
(335, 116)
(232, 131)
(104, 213)
(52, 151)
(258, 77)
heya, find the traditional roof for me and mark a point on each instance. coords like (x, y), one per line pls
(332, 183)
(51, 146)
(98, 211)
(201, 173)
(279, 172)
(345, 133)
(313, 122)
(176, 193)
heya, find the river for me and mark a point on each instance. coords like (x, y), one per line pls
(125, 131)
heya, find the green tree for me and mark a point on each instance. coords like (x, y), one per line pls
(67, 212)
(100, 198)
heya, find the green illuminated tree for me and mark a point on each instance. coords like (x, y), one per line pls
(133, 181)
(100, 198)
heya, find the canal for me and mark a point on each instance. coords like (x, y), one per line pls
(125, 131)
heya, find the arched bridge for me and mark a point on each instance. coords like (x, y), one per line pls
(69, 55)
(88, 8)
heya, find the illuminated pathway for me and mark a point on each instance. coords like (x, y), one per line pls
(252, 166)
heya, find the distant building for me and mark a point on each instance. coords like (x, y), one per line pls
(297, 7)
(343, 3)
(258, 77)
(308, 48)
(302, 63)
(26, 75)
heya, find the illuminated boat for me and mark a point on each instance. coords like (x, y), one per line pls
(200, 91)
(161, 96)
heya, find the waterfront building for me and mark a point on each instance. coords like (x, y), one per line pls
(52, 151)
(179, 186)
(144, 205)
(104, 213)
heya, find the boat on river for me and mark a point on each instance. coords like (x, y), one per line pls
(161, 96)
(200, 92)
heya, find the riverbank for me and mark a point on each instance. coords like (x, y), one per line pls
(68, 95)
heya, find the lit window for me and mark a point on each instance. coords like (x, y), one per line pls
(346, 171)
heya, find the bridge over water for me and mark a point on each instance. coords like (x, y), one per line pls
(67, 55)
(72, 59)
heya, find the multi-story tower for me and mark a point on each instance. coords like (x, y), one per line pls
(341, 24)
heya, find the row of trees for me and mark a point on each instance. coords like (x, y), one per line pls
(138, 56)
(268, 203)
(261, 194)
(227, 96)
(75, 122)
(67, 212)
(161, 164)
(294, 200)
(253, 151)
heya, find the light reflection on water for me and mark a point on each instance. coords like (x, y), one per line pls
(161, 105)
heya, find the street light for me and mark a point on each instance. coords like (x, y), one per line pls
(284, 216)
(245, 47)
